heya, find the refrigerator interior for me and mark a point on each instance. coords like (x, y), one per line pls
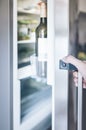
(35, 96)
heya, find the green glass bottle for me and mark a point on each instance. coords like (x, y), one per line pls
(41, 44)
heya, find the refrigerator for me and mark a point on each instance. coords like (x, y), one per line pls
(26, 104)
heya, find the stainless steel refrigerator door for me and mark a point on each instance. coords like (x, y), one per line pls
(70, 23)
(77, 41)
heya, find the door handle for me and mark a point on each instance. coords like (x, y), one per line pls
(68, 66)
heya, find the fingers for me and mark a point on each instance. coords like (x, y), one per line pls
(84, 83)
(75, 79)
(81, 66)
(75, 74)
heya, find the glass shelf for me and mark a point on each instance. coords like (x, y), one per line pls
(35, 96)
(32, 12)
(26, 41)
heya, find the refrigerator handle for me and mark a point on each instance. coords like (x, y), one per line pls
(79, 120)
(68, 66)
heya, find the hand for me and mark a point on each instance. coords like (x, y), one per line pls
(75, 79)
(81, 66)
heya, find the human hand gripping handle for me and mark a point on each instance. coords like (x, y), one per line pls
(81, 67)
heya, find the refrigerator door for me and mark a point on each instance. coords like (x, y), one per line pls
(77, 43)
(70, 36)
(61, 76)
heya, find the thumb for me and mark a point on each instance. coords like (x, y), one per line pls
(81, 66)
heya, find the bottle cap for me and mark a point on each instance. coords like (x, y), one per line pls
(43, 9)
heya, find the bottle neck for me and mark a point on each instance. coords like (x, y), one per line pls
(43, 20)
(43, 12)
